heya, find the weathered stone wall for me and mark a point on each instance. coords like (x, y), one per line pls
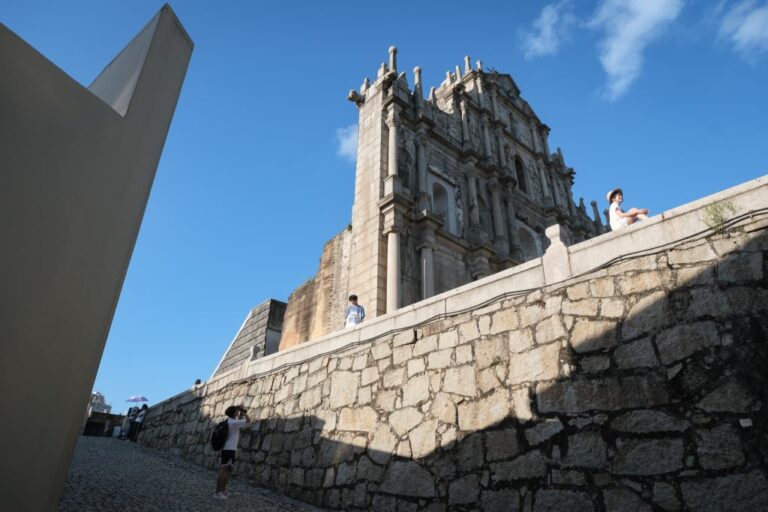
(316, 308)
(640, 386)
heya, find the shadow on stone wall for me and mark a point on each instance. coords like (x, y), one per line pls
(642, 388)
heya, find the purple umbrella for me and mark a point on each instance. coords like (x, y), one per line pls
(138, 398)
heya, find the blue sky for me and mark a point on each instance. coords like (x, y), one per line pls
(665, 98)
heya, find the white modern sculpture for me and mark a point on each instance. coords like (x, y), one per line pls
(76, 168)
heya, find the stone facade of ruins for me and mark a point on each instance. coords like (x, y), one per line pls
(448, 189)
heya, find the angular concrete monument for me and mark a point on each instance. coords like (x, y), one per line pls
(76, 168)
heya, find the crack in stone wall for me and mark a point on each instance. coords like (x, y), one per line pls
(638, 387)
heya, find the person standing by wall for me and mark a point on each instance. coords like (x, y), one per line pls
(355, 313)
(136, 424)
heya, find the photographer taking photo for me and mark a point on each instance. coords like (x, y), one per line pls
(237, 418)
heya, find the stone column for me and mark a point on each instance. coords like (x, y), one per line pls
(481, 91)
(392, 122)
(500, 228)
(421, 171)
(544, 136)
(494, 108)
(427, 272)
(486, 138)
(553, 188)
(474, 207)
(514, 237)
(465, 139)
(500, 142)
(534, 141)
(393, 270)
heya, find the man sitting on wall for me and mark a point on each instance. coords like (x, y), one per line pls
(237, 418)
(619, 218)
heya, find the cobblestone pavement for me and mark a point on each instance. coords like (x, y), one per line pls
(113, 475)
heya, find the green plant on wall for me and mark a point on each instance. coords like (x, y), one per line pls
(716, 215)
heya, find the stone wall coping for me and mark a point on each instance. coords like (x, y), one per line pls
(660, 229)
(524, 276)
(664, 228)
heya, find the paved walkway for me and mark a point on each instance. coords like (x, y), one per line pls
(111, 475)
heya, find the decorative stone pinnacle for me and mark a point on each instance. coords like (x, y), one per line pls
(479, 65)
(393, 58)
(467, 64)
(417, 76)
(458, 73)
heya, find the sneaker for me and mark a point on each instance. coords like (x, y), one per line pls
(219, 496)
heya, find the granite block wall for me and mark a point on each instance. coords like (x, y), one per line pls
(638, 387)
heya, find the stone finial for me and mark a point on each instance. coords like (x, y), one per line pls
(393, 58)
(557, 234)
(556, 260)
(467, 64)
(365, 85)
(432, 95)
(382, 70)
(417, 77)
(458, 73)
(448, 77)
(479, 65)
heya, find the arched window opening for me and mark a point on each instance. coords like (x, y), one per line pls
(520, 173)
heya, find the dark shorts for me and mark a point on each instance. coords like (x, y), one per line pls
(228, 457)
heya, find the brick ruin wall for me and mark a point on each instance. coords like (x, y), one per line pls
(641, 386)
(316, 308)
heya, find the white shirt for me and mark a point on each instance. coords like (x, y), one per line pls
(354, 314)
(616, 221)
(233, 433)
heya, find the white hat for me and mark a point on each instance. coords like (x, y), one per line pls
(611, 192)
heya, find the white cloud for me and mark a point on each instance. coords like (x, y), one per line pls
(630, 26)
(347, 139)
(745, 26)
(549, 30)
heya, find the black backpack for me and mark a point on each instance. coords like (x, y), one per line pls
(219, 435)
